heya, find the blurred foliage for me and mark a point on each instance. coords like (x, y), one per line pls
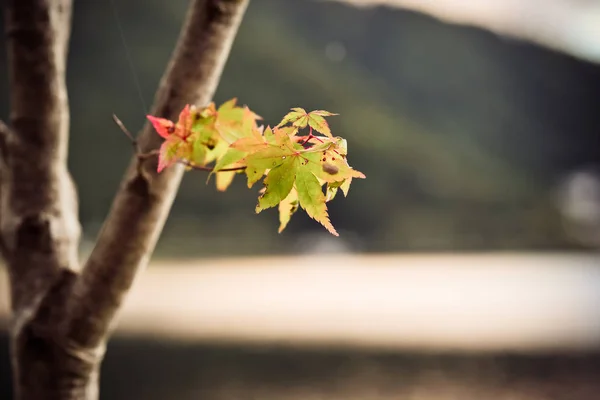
(461, 134)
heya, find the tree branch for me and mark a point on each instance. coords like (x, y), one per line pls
(142, 204)
(38, 203)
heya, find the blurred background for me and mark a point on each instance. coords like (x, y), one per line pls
(468, 265)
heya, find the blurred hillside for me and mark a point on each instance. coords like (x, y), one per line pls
(463, 135)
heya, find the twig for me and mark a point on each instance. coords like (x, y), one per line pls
(131, 138)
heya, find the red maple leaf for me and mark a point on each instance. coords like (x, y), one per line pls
(176, 144)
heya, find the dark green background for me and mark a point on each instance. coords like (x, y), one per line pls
(463, 135)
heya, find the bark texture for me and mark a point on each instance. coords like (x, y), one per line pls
(62, 314)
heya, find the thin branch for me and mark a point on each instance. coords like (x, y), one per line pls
(153, 153)
(143, 202)
(39, 226)
(131, 138)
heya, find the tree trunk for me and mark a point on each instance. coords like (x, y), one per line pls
(44, 368)
(62, 313)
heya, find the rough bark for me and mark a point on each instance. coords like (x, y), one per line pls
(39, 226)
(62, 316)
(38, 204)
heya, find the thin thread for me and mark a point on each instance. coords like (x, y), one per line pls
(128, 56)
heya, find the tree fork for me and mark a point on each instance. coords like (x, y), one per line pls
(62, 314)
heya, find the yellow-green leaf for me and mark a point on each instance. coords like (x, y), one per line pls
(345, 186)
(323, 113)
(312, 199)
(232, 156)
(278, 183)
(287, 208)
(169, 151)
(319, 124)
(267, 158)
(292, 116)
(331, 191)
(224, 179)
(254, 175)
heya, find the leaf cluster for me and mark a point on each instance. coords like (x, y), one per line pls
(298, 169)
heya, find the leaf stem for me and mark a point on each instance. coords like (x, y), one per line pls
(209, 169)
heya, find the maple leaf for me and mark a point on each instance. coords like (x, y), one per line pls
(169, 152)
(230, 159)
(299, 118)
(327, 161)
(208, 144)
(345, 186)
(258, 152)
(312, 199)
(167, 128)
(224, 179)
(231, 124)
(234, 122)
(287, 208)
(296, 114)
(288, 165)
(293, 174)
(331, 190)
(176, 144)
(279, 183)
(323, 113)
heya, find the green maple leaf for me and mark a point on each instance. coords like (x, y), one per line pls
(259, 162)
(295, 115)
(299, 118)
(289, 165)
(226, 125)
(198, 155)
(323, 113)
(205, 140)
(211, 129)
(228, 111)
(257, 153)
(327, 161)
(312, 199)
(279, 183)
(332, 189)
(224, 179)
(287, 208)
(230, 157)
(234, 122)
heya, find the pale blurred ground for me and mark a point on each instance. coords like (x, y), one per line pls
(495, 326)
(490, 302)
